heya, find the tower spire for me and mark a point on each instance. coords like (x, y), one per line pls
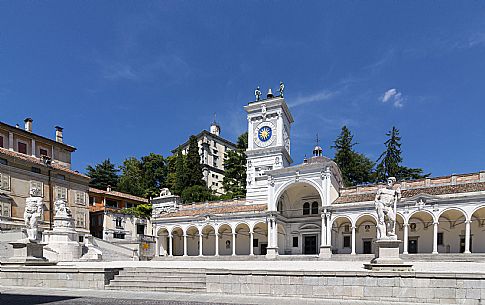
(317, 151)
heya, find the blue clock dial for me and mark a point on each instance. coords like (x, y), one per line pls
(265, 133)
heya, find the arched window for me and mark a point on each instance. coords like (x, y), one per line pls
(315, 207)
(306, 208)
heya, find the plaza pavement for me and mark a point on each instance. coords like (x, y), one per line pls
(53, 296)
(435, 267)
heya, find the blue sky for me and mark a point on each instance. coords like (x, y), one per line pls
(126, 78)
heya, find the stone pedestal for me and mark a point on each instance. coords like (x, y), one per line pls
(27, 253)
(325, 252)
(64, 240)
(387, 257)
(271, 253)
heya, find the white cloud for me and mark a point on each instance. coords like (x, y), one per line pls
(393, 96)
(315, 97)
(119, 71)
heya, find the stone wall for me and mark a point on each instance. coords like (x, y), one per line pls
(57, 277)
(380, 286)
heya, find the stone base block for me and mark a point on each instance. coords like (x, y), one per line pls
(325, 252)
(387, 257)
(271, 253)
(26, 252)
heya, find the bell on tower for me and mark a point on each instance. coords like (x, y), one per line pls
(317, 151)
(215, 128)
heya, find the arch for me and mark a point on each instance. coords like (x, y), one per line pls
(476, 209)
(192, 235)
(243, 238)
(260, 234)
(288, 184)
(176, 228)
(163, 241)
(224, 232)
(365, 233)
(433, 217)
(465, 214)
(208, 232)
(341, 216)
(177, 241)
(477, 229)
(370, 215)
(162, 228)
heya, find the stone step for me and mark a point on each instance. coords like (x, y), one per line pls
(164, 270)
(141, 278)
(149, 284)
(160, 289)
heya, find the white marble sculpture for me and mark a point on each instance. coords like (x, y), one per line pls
(385, 202)
(165, 192)
(257, 93)
(282, 88)
(34, 209)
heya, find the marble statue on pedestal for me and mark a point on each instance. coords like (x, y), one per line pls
(282, 88)
(257, 93)
(385, 202)
(34, 209)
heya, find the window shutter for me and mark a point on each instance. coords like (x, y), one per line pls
(5, 182)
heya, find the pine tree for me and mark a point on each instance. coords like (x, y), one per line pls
(234, 181)
(193, 166)
(131, 179)
(391, 159)
(355, 167)
(102, 175)
(180, 173)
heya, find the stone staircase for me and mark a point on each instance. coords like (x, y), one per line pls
(160, 279)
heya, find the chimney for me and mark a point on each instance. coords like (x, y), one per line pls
(28, 124)
(59, 134)
(108, 188)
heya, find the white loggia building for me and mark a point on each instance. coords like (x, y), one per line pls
(303, 209)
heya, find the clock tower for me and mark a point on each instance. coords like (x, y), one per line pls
(269, 123)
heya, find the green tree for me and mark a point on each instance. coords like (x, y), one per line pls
(131, 179)
(391, 159)
(234, 181)
(154, 174)
(197, 193)
(102, 175)
(171, 162)
(355, 167)
(143, 210)
(194, 174)
(180, 173)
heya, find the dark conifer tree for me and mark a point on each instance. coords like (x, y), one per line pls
(103, 174)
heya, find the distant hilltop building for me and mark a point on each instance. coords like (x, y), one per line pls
(32, 165)
(212, 149)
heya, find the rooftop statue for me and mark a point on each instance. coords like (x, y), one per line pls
(385, 202)
(165, 192)
(257, 93)
(282, 88)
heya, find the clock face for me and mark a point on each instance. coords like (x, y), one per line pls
(263, 134)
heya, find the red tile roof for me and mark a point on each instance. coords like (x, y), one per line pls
(35, 160)
(218, 208)
(118, 194)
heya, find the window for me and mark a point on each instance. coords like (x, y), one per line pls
(91, 201)
(295, 241)
(111, 203)
(440, 238)
(119, 222)
(22, 147)
(60, 192)
(81, 239)
(3, 161)
(36, 170)
(60, 177)
(43, 152)
(5, 209)
(36, 188)
(140, 229)
(79, 197)
(119, 235)
(306, 208)
(255, 243)
(4, 182)
(315, 207)
(80, 220)
(129, 205)
(347, 241)
(1, 141)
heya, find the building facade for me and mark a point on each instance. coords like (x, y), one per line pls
(110, 223)
(212, 150)
(305, 210)
(33, 165)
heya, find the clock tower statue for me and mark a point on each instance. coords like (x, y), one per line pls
(269, 122)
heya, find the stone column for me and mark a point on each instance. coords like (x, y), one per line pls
(157, 249)
(234, 243)
(353, 240)
(467, 236)
(272, 250)
(324, 231)
(33, 148)
(217, 244)
(170, 246)
(185, 244)
(406, 238)
(10, 141)
(329, 232)
(435, 238)
(251, 249)
(200, 245)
